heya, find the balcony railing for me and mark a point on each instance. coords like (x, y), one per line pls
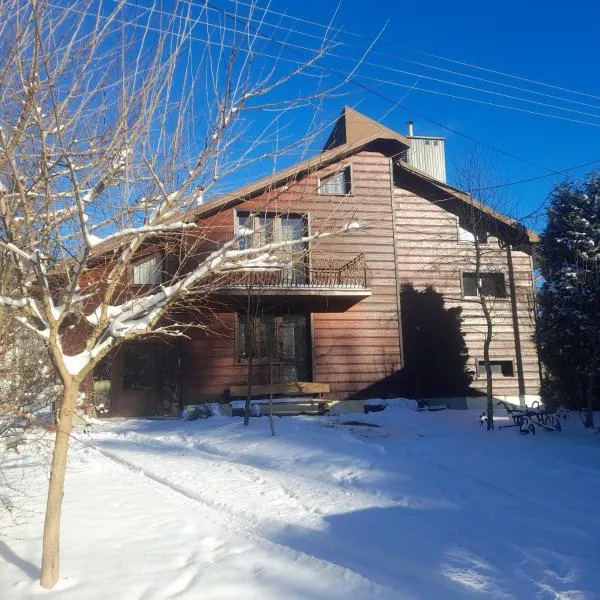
(320, 272)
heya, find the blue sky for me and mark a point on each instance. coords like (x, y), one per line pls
(551, 42)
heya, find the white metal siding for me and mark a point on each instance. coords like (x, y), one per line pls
(428, 155)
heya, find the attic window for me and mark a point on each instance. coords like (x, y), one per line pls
(149, 271)
(338, 184)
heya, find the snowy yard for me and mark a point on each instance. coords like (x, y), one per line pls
(425, 506)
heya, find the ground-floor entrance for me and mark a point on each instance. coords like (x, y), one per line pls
(139, 380)
(278, 345)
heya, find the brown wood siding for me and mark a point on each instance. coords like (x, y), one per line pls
(351, 350)
(429, 253)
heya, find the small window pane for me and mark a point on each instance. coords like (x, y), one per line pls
(338, 183)
(245, 222)
(267, 230)
(148, 272)
(505, 368)
(469, 284)
(492, 285)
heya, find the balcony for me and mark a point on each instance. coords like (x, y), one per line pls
(321, 284)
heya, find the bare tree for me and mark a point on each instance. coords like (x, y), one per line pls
(115, 122)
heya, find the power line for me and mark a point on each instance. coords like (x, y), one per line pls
(418, 113)
(289, 44)
(418, 63)
(424, 53)
(352, 80)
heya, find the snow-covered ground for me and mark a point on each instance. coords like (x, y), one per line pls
(427, 505)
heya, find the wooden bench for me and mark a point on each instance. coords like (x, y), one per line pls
(284, 395)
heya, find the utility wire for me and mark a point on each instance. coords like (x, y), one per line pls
(393, 101)
(289, 44)
(388, 99)
(333, 29)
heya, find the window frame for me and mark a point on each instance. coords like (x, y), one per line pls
(160, 257)
(505, 296)
(341, 169)
(480, 368)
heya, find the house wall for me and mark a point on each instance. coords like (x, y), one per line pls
(351, 350)
(429, 253)
(358, 347)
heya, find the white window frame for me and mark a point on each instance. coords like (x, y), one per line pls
(342, 171)
(148, 271)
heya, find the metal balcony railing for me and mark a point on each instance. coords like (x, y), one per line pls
(319, 272)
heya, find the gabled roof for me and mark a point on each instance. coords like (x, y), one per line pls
(355, 129)
(352, 126)
(351, 133)
(452, 193)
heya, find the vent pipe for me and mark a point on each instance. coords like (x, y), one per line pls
(410, 128)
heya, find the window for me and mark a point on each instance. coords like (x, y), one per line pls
(139, 369)
(505, 368)
(338, 184)
(149, 271)
(492, 284)
(281, 337)
(272, 228)
(259, 329)
(468, 235)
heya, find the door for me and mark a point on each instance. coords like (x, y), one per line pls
(294, 342)
(137, 389)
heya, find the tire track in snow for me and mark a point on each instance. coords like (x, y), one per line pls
(331, 498)
(235, 524)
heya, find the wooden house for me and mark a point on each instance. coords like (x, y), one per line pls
(390, 308)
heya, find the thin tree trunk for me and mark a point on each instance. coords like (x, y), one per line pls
(51, 545)
(248, 392)
(591, 388)
(488, 369)
(271, 399)
(488, 336)
(249, 327)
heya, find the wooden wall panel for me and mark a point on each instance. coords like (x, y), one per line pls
(354, 349)
(351, 350)
(429, 253)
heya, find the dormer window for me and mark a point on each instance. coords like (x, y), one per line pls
(148, 271)
(338, 184)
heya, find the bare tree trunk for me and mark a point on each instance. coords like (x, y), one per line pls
(250, 353)
(488, 369)
(50, 553)
(248, 392)
(488, 336)
(591, 389)
(271, 398)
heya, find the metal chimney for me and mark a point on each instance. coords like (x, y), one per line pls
(410, 128)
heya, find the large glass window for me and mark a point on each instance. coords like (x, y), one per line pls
(274, 228)
(281, 340)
